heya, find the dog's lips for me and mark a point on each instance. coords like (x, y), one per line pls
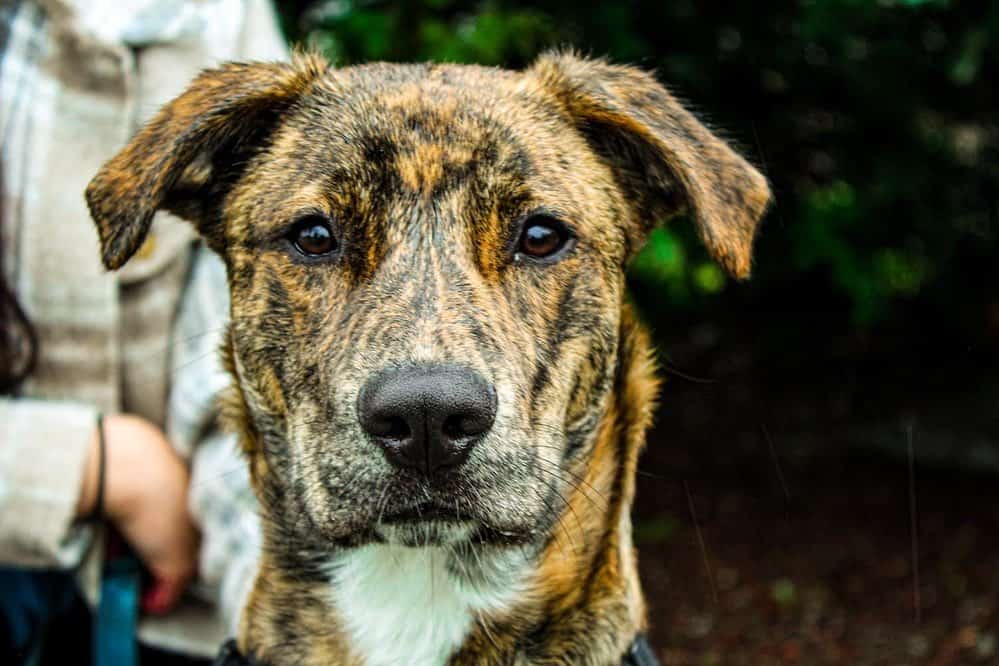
(425, 512)
(424, 524)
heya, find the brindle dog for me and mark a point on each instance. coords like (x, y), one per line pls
(439, 385)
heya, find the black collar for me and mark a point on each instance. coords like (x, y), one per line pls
(230, 655)
(639, 654)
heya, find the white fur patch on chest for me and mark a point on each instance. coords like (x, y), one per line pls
(402, 605)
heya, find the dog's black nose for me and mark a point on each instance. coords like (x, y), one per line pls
(427, 417)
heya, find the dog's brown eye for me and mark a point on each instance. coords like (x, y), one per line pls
(313, 237)
(542, 237)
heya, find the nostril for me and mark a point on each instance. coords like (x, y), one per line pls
(390, 427)
(468, 424)
(454, 427)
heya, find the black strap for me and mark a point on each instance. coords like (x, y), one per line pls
(230, 655)
(97, 513)
(639, 654)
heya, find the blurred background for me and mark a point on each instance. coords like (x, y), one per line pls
(821, 485)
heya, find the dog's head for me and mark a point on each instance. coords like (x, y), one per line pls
(426, 267)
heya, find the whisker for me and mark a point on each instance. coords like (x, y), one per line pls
(579, 480)
(173, 344)
(671, 369)
(700, 541)
(776, 461)
(568, 506)
(382, 504)
(914, 529)
(550, 511)
(174, 371)
(218, 477)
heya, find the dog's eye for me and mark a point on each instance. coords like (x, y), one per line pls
(542, 237)
(313, 237)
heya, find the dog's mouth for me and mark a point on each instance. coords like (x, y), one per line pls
(426, 512)
(425, 524)
(432, 523)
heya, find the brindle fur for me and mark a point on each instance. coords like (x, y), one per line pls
(425, 170)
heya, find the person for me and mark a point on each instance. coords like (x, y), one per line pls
(108, 380)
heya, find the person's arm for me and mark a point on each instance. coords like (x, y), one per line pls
(55, 469)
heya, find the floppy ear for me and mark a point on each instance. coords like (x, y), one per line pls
(184, 158)
(660, 154)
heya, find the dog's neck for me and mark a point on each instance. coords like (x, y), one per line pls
(576, 599)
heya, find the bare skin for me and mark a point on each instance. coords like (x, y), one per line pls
(145, 498)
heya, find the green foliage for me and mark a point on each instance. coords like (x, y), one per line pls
(351, 31)
(663, 261)
(875, 120)
(661, 528)
(783, 592)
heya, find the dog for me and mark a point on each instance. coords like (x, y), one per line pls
(439, 384)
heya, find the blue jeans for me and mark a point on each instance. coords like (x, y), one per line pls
(31, 600)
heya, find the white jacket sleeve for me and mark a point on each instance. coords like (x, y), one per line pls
(262, 39)
(43, 454)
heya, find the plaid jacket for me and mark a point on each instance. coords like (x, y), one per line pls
(77, 77)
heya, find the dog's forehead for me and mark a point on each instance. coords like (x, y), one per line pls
(429, 121)
(450, 91)
(378, 142)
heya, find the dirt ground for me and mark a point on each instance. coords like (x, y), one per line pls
(757, 549)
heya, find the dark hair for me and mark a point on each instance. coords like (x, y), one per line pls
(18, 342)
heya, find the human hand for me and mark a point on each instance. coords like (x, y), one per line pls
(145, 497)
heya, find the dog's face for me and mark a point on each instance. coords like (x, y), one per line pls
(414, 236)
(426, 267)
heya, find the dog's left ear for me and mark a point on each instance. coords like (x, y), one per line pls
(661, 155)
(186, 156)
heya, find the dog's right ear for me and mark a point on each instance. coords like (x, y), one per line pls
(663, 156)
(179, 160)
